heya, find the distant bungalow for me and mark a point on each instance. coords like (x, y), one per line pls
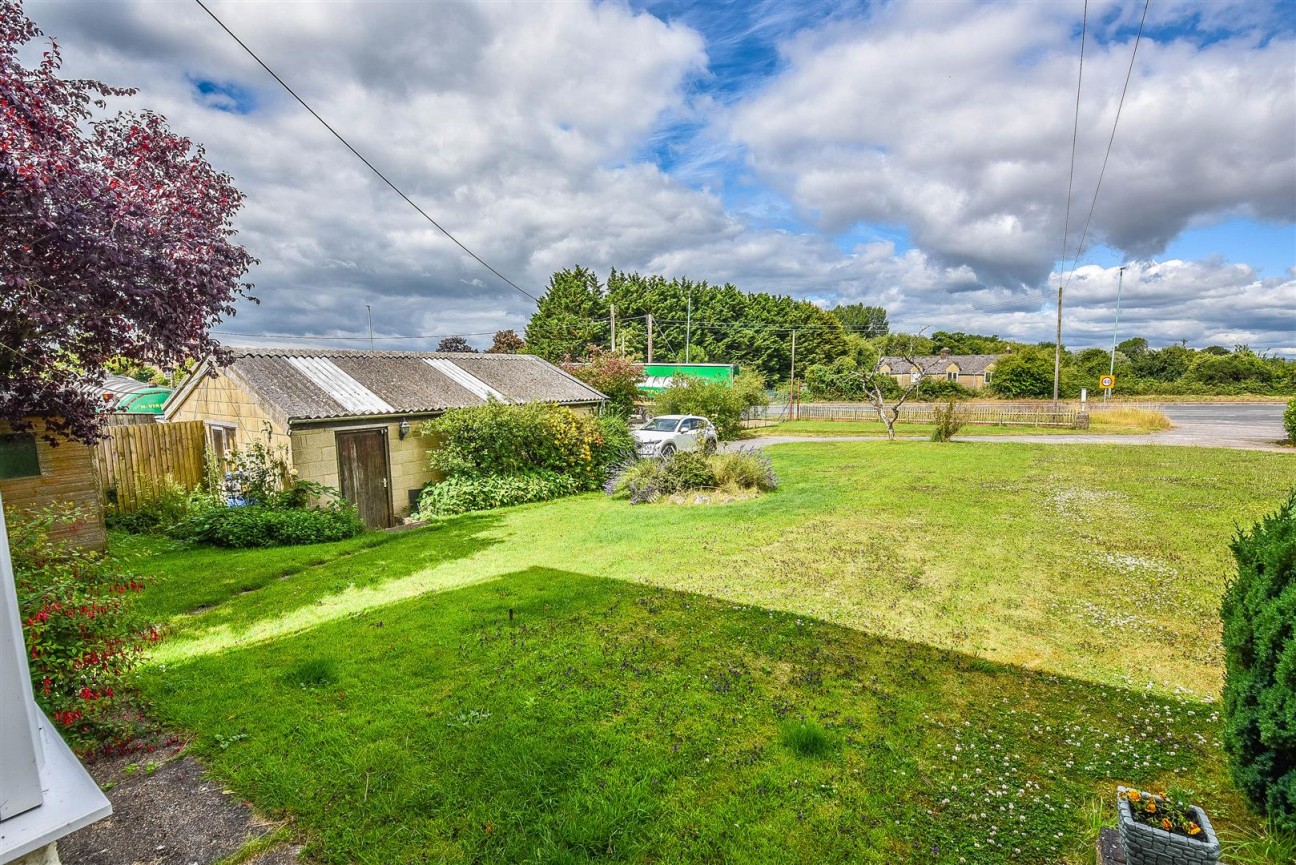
(969, 370)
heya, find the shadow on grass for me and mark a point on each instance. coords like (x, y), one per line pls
(244, 587)
(553, 716)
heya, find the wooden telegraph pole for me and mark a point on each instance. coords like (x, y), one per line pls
(792, 394)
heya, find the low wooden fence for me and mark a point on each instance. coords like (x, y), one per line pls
(134, 460)
(974, 414)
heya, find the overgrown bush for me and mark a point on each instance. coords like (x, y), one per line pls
(264, 526)
(259, 471)
(942, 389)
(722, 404)
(462, 494)
(646, 480)
(949, 420)
(81, 636)
(165, 505)
(501, 439)
(1289, 420)
(613, 375)
(1259, 615)
(749, 468)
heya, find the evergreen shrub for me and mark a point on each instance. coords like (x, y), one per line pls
(1259, 616)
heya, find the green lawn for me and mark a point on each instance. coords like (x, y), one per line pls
(1008, 632)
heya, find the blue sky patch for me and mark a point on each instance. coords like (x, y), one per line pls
(227, 96)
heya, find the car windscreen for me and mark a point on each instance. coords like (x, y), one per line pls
(660, 425)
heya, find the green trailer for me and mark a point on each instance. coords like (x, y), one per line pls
(657, 376)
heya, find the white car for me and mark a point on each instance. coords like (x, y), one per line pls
(663, 436)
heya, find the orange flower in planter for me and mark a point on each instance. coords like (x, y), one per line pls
(1166, 824)
(1192, 828)
(1150, 806)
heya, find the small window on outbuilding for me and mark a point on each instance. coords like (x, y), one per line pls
(221, 439)
(987, 376)
(951, 376)
(18, 456)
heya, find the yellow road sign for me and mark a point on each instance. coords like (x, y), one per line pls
(1107, 382)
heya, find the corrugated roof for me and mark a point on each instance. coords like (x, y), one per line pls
(932, 364)
(310, 384)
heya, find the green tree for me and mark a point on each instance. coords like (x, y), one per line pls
(1238, 371)
(456, 344)
(861, 319)
(959, 342)
(1133, 347)
(572, 315)
(1166, 364)
(507, 342)
(1025, 374)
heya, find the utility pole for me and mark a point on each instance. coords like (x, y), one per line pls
(650, 337)
(792, 381)
(1120, 283)
(1057, 351)
(369, 310)
(612, 319)
(688, 326)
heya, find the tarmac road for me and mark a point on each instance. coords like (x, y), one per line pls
(1243, 426)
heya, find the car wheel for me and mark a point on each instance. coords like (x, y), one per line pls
(667, 450)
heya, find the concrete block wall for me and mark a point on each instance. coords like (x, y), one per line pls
(314, 458)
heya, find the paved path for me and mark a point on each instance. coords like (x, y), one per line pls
(1244, 426)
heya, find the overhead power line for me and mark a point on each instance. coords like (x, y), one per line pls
(1116, 122)
(1075, 134)
(361, 156)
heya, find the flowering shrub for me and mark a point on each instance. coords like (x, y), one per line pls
(500, 439)
(610, 373)
(1289, 420)
(498, 455)
(1172, 812)
(81, 637)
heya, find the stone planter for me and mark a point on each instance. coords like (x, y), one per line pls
(1152, 845)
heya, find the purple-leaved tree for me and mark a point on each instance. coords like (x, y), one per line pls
(115, 240)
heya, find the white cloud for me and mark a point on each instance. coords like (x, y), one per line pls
(519, 127)
(956, 120)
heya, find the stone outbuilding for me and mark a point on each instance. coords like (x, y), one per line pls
(350, 419)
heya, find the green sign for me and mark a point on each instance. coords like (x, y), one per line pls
(657, 376)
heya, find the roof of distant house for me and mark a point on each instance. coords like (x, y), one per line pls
(932, 364)
(318, 384)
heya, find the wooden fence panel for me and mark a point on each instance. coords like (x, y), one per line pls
(134, 460)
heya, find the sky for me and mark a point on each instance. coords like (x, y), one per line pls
(910, 155)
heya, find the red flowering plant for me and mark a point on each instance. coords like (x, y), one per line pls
(81, 636)
(1171, 812)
